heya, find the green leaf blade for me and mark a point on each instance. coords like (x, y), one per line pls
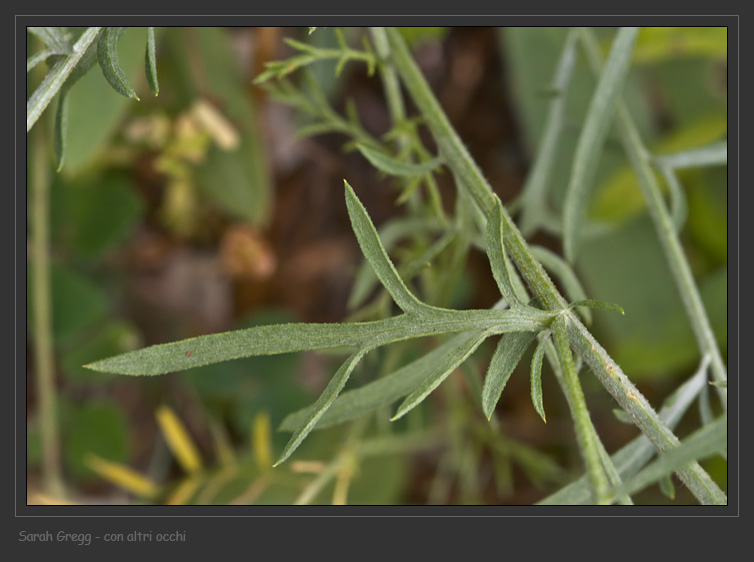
(509, 351)
(394, 167)
(375, 253)
(325, 400)
(361, 401)
(107, 54)
(536, 379)
(150, 63)
(496, 254)
(443, 366)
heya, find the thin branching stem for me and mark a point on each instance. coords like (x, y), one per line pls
(666, 230)
(609, 374)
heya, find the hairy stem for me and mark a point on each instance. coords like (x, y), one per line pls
(666, 231)
(463, 165)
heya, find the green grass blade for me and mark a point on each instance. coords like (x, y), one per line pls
(327, 397)
(509, 351)
(705, 442)
(536, 379)
(394, 167)
(496, 254)
(56, 77)
(375, 253)
(443, 366)
(107, 54)
(259, 340)
(591, 142)
(35, 59)
(150, 63)
(386, 390)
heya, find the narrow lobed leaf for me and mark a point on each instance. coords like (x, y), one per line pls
(178, 439)
(394, 167)
(509, 351)
(712, 155)
(444, 365)
(150, 63)
(377, 257)
(536, 378)
(592, 140)
(325, 400)
(107, 54)
(496, 254)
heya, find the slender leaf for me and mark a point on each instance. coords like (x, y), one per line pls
(375, 253)
(107, 54)
(56, 77)
(536, 378)
(592, 139)
(368, 398)
(496, 254)
(394, 167)
(178, 439)
(443, 366)
(705, 442)
(325, 400)
(150, 63)
(509, 351)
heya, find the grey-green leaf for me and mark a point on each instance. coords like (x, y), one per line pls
(150, 63)
(375, 253)
(394, 167)
(107, 54)
(325, 400)
(536, 379)
(591, 142)
(496, 254)
(386, 390)
(443, 366)
(509, 351)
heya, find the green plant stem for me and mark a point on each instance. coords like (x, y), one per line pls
(56, 77)
(43, 350)
(609, 374)
(612, 474)
(641, 161)
(577, 404)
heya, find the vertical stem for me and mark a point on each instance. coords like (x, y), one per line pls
(45, 373)
(577, 404)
